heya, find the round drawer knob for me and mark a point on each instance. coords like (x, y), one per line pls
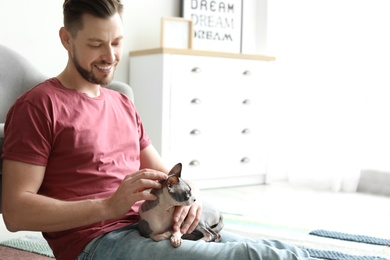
(247, 73)
(196, 70)
(195, 132)
(194, 163)
(246, 102)
(246, 131)
(245, 160)
(196, 101)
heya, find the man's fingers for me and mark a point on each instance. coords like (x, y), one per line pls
(178, 217)
(147, 174)
(147, 196)
(144, 180)
(192, 220)
(145, 184)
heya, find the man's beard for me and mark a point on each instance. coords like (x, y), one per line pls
(90, 77)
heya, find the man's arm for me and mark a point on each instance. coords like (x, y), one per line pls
(25, 209)
(151, 159)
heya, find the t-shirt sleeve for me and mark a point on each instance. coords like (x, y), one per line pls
(27, 135)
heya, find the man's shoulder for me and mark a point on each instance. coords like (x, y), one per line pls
(111, 92)
(43, 89)
(41, 96)
(117, 95)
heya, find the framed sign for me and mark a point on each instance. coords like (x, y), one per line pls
(216, 24)
(176, 32)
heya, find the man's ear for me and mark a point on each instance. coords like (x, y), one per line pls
(65, 38)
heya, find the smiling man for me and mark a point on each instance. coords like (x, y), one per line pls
(77, 160)
(97, 43)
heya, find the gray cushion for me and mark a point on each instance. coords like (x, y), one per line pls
(16, 76)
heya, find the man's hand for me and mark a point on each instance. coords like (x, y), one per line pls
(132, 189)
(186, 218)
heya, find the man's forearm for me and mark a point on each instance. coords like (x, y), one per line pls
(35, 212)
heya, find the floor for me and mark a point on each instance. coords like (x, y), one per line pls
(281, 203)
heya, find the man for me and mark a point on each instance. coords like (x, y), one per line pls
(77, 159)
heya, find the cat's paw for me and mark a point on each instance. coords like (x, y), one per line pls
(176, 240)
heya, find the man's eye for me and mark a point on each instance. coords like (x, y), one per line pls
(94, 46)
(116, 43)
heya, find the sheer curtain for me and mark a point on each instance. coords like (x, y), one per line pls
(328, 94)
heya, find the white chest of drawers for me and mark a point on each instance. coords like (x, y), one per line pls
(204, 110)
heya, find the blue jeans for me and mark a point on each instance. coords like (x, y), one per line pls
(127, 243)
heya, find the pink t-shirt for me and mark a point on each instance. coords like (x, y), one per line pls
(88, 145)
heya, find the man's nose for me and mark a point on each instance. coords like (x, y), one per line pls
(109, 54)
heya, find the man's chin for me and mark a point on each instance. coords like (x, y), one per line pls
(106, 81)
(103, 80)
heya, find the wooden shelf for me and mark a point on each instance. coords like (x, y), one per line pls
(201, 53)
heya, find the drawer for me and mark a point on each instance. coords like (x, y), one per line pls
(192, 102)
(202, 136)
(232, 162)
(216, 73)
(218, 131)
(219, 73)
(191, 105)
(198, 65)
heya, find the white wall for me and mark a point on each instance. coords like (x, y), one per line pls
(329, 103)
(328, 99)
(30, 29)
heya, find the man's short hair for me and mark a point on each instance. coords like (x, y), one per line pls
(74, 10)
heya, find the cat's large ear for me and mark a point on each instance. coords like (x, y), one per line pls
(176, 170)
(172, 181)
(173, 176)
